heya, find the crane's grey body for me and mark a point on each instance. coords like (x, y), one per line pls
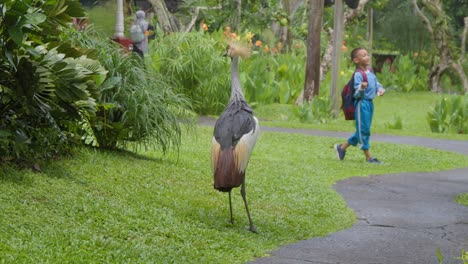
(236, 121)
(234, 138)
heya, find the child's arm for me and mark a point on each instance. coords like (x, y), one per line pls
(359, 85)
(380, 89)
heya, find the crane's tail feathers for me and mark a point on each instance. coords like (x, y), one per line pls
(241, 156)
(226, 173)
(215, 150)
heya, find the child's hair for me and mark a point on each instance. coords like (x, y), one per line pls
(354, 52)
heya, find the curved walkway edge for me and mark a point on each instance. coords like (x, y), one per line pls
(401, 218)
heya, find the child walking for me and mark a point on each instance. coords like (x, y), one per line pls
(365, 93)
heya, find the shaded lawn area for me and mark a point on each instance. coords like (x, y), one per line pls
(100, 206)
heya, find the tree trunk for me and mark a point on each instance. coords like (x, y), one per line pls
(349, 16)
(440, 35)
(196, 13)
(435, 75)
(312, 80)
(285, 32)
(326, 62)
(291, 7)
(128, 7)
(338, 29)
(165, 19)
(236, 20)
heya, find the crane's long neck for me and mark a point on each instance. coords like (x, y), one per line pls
(236, 89)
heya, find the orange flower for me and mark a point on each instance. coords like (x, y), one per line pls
(343, 48)
(204, 27)
(279, 45)
(228, 29)
(232, 35)
(258, 43)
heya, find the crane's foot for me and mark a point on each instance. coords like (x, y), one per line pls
(252, 229)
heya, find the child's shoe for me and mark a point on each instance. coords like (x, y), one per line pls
(340, 152)
(374, 160)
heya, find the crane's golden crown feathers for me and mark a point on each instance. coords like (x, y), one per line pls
(236, 49)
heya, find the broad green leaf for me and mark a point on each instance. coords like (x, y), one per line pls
(16, 34)
(35, 18)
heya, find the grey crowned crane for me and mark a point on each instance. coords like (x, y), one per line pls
(234, 137)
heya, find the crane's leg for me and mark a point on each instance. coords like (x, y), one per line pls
(230, 208)
(252, 227)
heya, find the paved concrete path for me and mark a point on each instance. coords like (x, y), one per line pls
(402, 218)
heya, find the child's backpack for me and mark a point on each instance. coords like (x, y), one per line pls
(347, 96)
(136, 34)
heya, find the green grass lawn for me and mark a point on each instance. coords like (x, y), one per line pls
(412, 108)
(462, 198)
(102, 18)
(108, 207)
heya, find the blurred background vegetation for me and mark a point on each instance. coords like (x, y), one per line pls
(120, 101)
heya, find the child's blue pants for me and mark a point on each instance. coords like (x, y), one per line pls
(363, 115)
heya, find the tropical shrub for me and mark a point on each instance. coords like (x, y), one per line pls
(134, 104)
(397, 123)
(44, 87)
(409, 75)
(272, 77)
(450, 115)
(317, 110)
(387, 77)
(192, 64)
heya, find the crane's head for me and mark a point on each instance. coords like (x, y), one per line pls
(236, 49)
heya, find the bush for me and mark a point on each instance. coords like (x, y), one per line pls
(317, 110)
(134, 105)
(397, 123)
(409, 75)
(193, 65)
(450, 115)
(43, 89)
(273, 78)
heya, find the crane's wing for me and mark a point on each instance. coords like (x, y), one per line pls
(235, 135)
(230, 127)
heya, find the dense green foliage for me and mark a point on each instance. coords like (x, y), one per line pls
(398, 28)
(274, 77)
(193, 64)
(45, 86)
(116, 207)
(450, 115)
(60, 87)
(406, 76)
(134, 104)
